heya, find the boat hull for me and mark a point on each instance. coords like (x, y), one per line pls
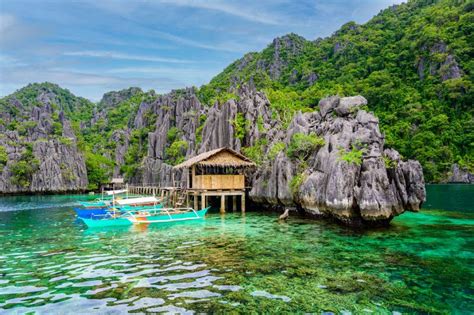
(94, 223)
(163, 218)
(94, 204)
(90, 213)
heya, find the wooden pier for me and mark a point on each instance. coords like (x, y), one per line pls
(177, 196)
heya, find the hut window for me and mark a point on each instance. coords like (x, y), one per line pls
(216, 170)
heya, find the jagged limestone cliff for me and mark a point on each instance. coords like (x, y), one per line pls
(38, 146)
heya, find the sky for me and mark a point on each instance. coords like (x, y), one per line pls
(94, 46)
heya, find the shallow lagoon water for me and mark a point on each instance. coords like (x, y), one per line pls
(52, 264)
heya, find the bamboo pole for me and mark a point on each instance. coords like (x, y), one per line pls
(203, 201)
(222, 204)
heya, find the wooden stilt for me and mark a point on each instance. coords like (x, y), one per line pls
(203, 201)
(196, 201)
(234, 203)
(243, 202)
(222, 203)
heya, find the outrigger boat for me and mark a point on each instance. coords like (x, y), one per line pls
(148, 216)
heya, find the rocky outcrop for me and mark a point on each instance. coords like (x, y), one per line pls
(460, 175)
(178, 116)
(371, 190)
(42, 155)
(283, 50)
(445, 69)
(121, 139)
(111, 99)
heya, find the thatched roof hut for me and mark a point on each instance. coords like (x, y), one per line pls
(222, 157)
(221, 168)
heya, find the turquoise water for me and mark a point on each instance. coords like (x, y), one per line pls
(52, 264)
(450, 197)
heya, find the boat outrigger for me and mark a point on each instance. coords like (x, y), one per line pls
(167, 215)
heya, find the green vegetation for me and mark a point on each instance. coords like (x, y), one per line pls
(353, 156)
(137, 149)
(413, 63)
(389, 163)
(400, 61)
(202, 122)
(256, 152)
(120, 117)
(172, 134)
(276, 148)
(240, 126)
(260, 126)
(93, 138)
(176, 152)
(77, 107)
(296, 183)
(57, 129)
(302, 146)
(23, 169)
(3, 157)
(98, 169)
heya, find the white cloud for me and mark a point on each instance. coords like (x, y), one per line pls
(14, 32)
(123, 56)
(228, 8)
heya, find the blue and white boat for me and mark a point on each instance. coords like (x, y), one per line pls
(146, 216)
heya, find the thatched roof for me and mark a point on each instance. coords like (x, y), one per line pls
(222, 157)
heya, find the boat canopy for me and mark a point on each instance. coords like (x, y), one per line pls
(115, 192)
(132, 201)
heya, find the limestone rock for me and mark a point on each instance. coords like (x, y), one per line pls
(460, 175)
(55, 164)
(364, 192)
(348, 105)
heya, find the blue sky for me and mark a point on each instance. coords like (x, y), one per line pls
(94, 46)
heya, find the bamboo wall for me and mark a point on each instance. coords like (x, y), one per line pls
(218, 182)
